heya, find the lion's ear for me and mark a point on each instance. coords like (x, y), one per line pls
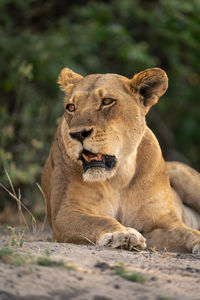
(67, 79)
(151, 84)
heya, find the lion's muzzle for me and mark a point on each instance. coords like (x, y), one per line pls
(92, 160)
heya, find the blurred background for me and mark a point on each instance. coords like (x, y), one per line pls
(39, 38)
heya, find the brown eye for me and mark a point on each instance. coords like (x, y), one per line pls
(70, 107)
(107, 101)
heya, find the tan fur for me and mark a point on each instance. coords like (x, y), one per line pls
(132, 204)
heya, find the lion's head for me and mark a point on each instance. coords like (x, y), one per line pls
(104, 120)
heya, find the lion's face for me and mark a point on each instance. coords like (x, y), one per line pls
(104, 120)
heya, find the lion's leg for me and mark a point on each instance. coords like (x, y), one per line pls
(175, 237)
(82, 220)
(186, 214)
(186, 182)
(81, 227)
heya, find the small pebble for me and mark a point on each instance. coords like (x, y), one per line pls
(116, 286)
(153, 278)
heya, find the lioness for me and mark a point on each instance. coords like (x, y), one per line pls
(105, 180)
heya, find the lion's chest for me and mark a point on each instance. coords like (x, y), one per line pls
(125, 208)
(129, 213)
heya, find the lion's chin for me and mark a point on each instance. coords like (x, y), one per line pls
(97, 166)
(95, 174)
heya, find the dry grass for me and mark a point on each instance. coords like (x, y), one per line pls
(16, 236)
(22, 208)
(91, 242)
(45, 206)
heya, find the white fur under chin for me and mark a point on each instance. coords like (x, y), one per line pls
(97, 174)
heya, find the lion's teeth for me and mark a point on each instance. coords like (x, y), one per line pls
(99, 156)
(93, 158)
(86, 157)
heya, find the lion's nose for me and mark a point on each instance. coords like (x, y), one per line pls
(81, 135)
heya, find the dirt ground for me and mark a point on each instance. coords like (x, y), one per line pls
(94, 276)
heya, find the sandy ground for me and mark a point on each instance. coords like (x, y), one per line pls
(168, 275)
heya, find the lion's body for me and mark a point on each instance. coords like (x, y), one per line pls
(112, 205)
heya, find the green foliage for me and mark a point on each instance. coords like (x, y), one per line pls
(16, 236)
(48, 262)
(5, 252)
(38, 39)
(132, 276)
(8, 256)
(18, 260)
(165, 298)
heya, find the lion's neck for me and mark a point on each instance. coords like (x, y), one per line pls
(126, 171)
(141, 162)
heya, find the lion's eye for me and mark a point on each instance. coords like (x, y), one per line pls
(70, 107)
(107, 101)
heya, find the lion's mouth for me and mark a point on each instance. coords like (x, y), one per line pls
(91, 160)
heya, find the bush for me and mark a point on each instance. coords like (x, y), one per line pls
(39, 38)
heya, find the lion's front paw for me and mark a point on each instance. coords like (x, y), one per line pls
(196, 249)
(130, 239)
